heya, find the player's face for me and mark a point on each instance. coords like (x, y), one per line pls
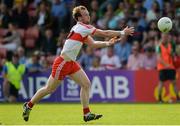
(85, 16)
(165, 37)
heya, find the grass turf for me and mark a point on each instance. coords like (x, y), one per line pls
(113, 114)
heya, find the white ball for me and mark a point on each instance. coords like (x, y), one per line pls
(165, 24)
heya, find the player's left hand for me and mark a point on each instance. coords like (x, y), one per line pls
(114, 40)
(129, 31)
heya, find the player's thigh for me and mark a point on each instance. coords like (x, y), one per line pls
(52, 83)
(81, 78)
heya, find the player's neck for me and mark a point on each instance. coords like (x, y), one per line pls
(81, 22)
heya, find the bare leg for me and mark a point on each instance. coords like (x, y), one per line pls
(160, 87)
(81, 78)
(175, 89)
(50, 87)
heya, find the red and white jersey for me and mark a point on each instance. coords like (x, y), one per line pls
(75, 40)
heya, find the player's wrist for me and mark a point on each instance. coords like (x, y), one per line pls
(108, 44)
(122, 33)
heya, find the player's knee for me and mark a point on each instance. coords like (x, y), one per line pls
(87, 85)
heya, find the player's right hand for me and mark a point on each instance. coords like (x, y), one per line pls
(114, 40)
(129, 31)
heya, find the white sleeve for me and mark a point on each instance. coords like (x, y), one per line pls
(88, 30)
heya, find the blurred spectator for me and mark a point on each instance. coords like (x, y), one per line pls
(60, 42)
(94, 12)
(178, 49)
(141, 22)
(19, 2)
(150, 59)
(153, 13)
(4, 16)
(165, 65)
(44, 18)
(123, 49)
(119, 9)
(119, 14)
(138, 5)
(2, 62)
(12, 74)
(13, 41)
(20, 16)
(96, 64)
(103, 22)
(138, 35)
(94, 7)
(48, 43)
(177, 57)
(149, 3)
(36, 2)
(168, 9)
(151, 33)
(135, 60)
(60, 12)
(121, 23)
(82, 2)
(34, 64)
(94, 18)
(44, 62)
(8, 3)
(110, 61)
(150, 43)
(86, 58)
(21, 54)
(105, 3)
(112, 14)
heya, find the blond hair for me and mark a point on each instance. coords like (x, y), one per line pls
(77, 12)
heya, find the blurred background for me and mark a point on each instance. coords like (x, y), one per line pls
(37, 29)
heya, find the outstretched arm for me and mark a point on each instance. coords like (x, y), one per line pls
(113, 33)
(100, 44)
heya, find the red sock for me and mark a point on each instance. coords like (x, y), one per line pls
(86, 110)
(30, 104)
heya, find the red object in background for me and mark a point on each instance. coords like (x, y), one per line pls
(145, 83)
(30, 43)
(177, 62)
(145, 86)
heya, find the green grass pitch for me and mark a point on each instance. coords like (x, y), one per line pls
(113, 114)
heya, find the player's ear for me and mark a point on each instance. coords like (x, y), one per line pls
(78, 16)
